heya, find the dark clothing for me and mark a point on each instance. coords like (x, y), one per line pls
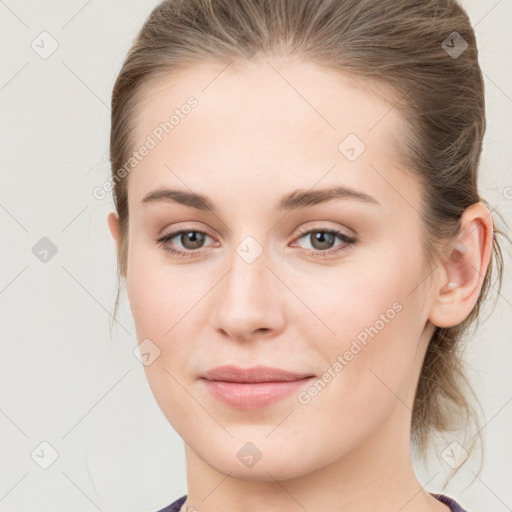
(454, 506)
(175, 506)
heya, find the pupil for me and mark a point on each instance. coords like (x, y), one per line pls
(320, 236)
(192, 237)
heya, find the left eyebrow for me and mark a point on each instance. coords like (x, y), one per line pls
(295, 200)
(308, 198)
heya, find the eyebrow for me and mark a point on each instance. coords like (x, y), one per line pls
(293, 201)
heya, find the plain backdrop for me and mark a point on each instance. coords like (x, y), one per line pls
(70, 398)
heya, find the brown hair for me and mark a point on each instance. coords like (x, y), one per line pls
(401, 46)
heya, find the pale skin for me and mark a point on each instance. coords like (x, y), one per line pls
(251, 140)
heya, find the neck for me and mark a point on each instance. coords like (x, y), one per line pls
(377, 475)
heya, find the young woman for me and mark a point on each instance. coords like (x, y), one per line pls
(303, 242)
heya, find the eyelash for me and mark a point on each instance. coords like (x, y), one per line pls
(348, 240)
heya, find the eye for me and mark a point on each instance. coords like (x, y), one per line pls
(190, 239)
(322, 241)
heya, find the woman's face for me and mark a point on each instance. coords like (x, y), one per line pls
(267, 285)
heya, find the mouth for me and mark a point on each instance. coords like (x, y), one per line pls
(254, 387)
(257, 374)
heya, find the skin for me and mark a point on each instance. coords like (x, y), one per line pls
(251, 139)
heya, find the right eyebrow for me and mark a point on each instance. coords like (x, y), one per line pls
(191, 199)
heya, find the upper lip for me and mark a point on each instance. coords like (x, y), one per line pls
(230, 373)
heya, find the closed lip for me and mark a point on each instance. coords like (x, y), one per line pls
(231, 373)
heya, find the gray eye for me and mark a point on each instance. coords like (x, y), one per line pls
(321, 240)
(191, 239)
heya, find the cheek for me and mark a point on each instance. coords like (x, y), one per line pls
(151, 303)
(162, 313)
(370, 325)
(165, 301)
(367, 365)
(156, 291)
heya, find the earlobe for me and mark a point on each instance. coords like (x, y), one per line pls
(457, 289)
(113, 224)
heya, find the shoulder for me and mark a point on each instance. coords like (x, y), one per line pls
(454, 506)
(175, 505)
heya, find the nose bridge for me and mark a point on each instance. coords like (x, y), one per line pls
(247, 299)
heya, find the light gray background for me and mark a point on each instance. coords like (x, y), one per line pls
(62, 380)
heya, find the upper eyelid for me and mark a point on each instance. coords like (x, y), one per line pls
(305, 230)
(175, 233)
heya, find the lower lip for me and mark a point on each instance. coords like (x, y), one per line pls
(253, 395)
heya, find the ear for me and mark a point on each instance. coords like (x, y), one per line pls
(462, 271)
(113, 224)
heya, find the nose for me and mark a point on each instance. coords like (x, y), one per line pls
(250, 300)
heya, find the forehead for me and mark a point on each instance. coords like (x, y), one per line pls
(273, 122)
